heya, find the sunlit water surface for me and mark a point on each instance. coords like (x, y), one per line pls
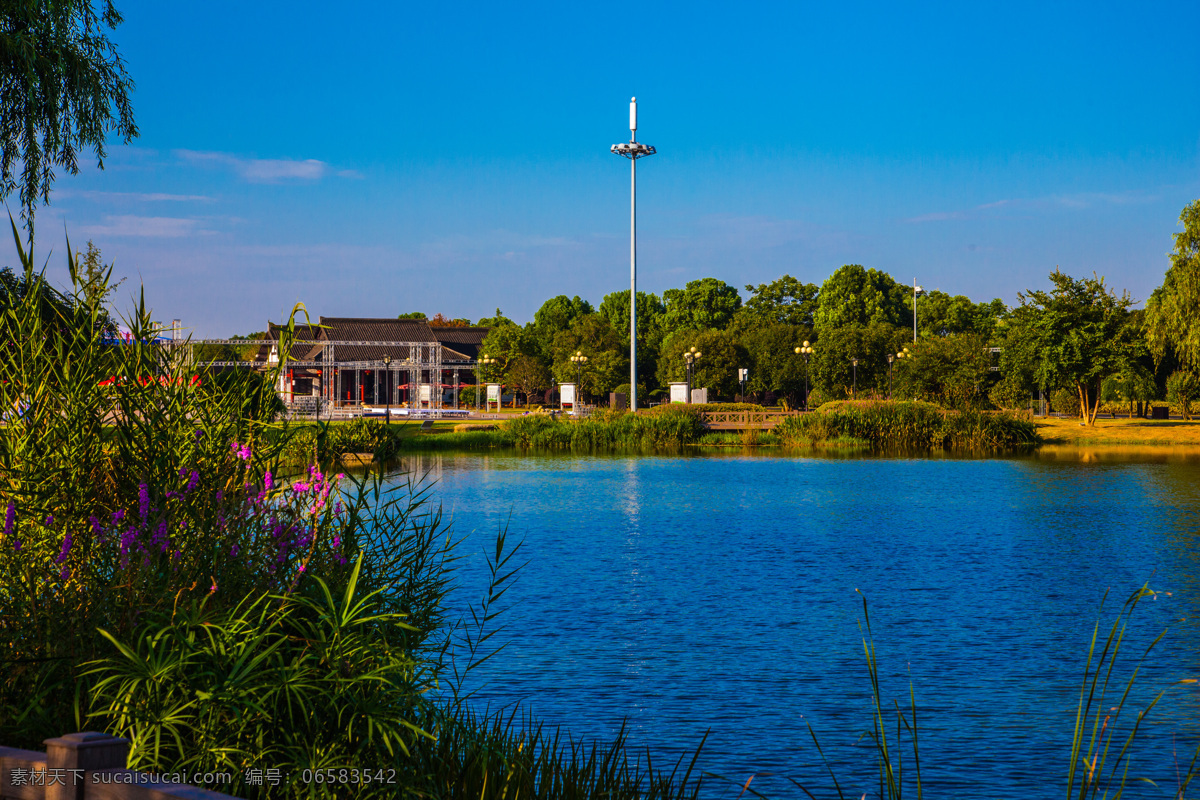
(717, 593)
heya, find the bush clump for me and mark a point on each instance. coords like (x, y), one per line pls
(667, 427)
(907, 424)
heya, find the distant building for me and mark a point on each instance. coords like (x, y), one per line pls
(400, 362)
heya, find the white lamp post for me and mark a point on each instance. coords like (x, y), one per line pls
(633, 151)
(917, 292)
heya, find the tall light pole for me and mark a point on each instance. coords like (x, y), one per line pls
(917, 292)
(633, 151)
(854, 392)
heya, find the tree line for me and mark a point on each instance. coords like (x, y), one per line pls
(1079, 342)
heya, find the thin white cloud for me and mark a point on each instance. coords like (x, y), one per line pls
(1078, 200)
(145, 227)
(266, 170)
(138, 197)
(938, 216)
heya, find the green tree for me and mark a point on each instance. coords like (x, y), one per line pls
(415, 315)
(939, 314)
(704, 303)
(504, 343)
(856, 296)
(97, 276)
(774, 365)
(614, 308)
(527, 375)
(496, 321)
(1133, 384)
(1173, 311)
(556, 315)
(784, 301)
(721, 357)
(1182, 388)
(833, 371)
(1080, 333)
(951, 371)
(607, 366)
(1018, 358)
(63, 88)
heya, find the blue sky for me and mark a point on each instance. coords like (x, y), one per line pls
(379, 158)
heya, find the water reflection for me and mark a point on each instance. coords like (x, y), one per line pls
(716, 591)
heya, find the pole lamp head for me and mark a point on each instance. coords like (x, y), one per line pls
(854, 361)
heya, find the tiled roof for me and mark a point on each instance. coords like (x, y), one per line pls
(461, 344)
(301, 349)
(369, 329)
(458, 344)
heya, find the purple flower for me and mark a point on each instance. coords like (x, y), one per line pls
(49, 521)
(10, 518)
(68, 541)
(183, 472)
(143, 501)
(268, 481)
(66, 573)
(233, 551)
(192, 481)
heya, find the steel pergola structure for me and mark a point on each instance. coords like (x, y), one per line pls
(415, 360)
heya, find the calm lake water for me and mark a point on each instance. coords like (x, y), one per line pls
(717, 593)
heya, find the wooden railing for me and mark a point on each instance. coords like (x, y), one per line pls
(744, 420)
(91, 766)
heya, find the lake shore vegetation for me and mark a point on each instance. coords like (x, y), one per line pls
(161, 580)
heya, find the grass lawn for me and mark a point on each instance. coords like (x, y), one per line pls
(1119, 431)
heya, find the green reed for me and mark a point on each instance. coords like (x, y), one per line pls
(1103, 742)
(908, 424)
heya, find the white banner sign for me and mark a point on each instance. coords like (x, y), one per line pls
(566, 394)
(426, 393)
(679, 393)
(493, 393)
